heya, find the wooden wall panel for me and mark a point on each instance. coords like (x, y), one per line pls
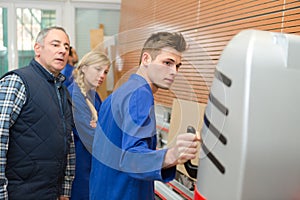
(208, 25)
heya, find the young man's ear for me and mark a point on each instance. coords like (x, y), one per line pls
(146, 59)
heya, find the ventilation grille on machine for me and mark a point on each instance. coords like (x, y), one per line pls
(224, 110)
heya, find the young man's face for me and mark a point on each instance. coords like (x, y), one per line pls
(54, 52)
(162, 70)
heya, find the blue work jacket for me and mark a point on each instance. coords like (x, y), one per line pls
(125, 160)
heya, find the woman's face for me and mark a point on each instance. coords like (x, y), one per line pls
(94, 75)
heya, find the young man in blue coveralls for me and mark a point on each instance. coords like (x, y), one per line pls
(125, 159)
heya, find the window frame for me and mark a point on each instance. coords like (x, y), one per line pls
(65, 17)
(11, 7)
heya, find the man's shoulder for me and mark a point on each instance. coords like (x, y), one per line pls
(11, 80)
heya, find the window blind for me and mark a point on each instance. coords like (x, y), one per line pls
(208, 25)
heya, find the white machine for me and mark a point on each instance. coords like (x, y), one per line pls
(251, 131)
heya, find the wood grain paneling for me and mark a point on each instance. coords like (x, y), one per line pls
(208, 25)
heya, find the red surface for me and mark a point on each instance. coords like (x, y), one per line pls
(198, 196)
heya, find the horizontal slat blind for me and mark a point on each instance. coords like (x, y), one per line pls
(208, 25)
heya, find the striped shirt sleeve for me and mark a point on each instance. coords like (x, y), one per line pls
(12, 99)
(69, 171)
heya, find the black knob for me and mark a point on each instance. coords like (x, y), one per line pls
(189, 167)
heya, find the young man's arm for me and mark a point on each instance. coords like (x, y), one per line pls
(139, 129)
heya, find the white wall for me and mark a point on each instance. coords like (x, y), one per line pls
(87, 19)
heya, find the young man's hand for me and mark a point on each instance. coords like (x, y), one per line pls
(185, 149)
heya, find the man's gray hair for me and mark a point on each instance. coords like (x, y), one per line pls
(44, 32)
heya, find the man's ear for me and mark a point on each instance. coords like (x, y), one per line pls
(37, 49)
(146, 59)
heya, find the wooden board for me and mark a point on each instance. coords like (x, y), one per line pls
(96, 37)
(185, 113)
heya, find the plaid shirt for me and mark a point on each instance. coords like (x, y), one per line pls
(12, 99)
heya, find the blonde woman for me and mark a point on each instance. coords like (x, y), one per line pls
(90, 73)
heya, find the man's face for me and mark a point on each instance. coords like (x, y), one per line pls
(162, 70)
(53, 53)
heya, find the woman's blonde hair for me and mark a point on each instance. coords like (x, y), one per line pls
(91, 58)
